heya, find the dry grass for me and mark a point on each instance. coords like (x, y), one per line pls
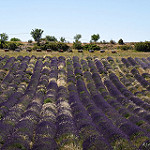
(119, 54)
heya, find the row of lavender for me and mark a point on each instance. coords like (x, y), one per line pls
(59, 103)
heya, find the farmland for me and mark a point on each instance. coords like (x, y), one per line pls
(74, 101)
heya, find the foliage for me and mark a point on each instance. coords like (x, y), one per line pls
(62, 39)
(95, 37)
(77, 37)
(104, 42)
(12, 45)
(54, 46)
(51, 38)
(125, 47)
(4, 38)
(37, 34)
(121, 42)
(15, 39)
(63, 46)
(91, 47)
(30, 41)
(112, 42)
(142, 46)
(77, 45)
(35, 47)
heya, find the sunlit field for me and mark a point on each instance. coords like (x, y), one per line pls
(74, 101)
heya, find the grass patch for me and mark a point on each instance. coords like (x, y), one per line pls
(48, 100)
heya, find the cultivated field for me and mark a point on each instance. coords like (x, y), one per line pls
(74, 101)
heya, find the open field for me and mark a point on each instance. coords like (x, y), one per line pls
(74, 101)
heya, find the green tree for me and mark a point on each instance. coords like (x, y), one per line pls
(77, 37)
(121, 42)
(95, 37)
(112, 42)
(51, 38)
(4, 38)
(15, 39)
(62, 39)
(37, 34)
(29, 41)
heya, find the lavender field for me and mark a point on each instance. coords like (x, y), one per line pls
(71, 103)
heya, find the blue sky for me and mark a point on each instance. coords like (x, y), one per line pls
(112, 19)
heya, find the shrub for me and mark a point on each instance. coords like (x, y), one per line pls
(12, 45)
(91, 47)
(142, 46)
(63, 46)
(30, 41)
(35, 47)
(112, 42)
(125, 47)
(77, 45)
(15, 39)
(121, 42)
(54, 46)
(51, 38)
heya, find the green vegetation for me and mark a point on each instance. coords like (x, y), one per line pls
(91, 47)
(62, 39)
(4, 38)
(95, 37)
(142, 46)
(15, 39)
(120, 42)
(37, 34)
(125, 47)
(77, 45)
(30, 41)
(48, 100)
(112, 42)
(12, 45)
(55, 46)
(51, 38)
(77, 37)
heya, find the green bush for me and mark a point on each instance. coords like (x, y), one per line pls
(121, 42)
(91, 47)
(12, 45)
(77, 45)
(51, 38)
(55, 46)
(15, 39)
(30, 41)
(142, 46)
(35, 47)
(125, 47)
(63, 46)
(112, 42)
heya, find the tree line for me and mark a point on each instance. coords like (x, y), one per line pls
(36, 34)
